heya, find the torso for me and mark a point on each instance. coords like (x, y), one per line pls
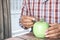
(50, 10)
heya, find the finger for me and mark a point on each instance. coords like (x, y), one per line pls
(27, 24)
(31, 18)
(53, 35)
(52, 24)
(26, 20)
(52, 28)
(28, 17)
(52, 31)
(58, 36)
(26, 27)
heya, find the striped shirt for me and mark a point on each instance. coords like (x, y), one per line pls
(47, 9)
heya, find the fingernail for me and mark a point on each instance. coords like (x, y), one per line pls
(46, 36)
(46, 30)
(46, 33)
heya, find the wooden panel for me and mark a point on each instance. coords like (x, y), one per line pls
(1, 20)
(7, 18)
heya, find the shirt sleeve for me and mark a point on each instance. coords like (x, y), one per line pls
(24, 9)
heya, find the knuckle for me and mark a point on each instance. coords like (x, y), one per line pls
(56, 30)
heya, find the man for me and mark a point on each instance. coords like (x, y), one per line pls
(34, 10)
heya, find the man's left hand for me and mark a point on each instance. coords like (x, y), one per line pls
(53, 31)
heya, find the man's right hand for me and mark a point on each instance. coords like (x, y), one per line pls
(27, 21)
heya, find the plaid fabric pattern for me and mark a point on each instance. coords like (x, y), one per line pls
(49, 10)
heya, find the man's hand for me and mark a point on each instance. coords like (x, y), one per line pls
(53, 31)
(27, 21)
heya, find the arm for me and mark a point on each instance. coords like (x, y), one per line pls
(23, 11)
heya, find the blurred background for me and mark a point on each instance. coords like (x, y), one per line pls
(15, 6)
(9, 19)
